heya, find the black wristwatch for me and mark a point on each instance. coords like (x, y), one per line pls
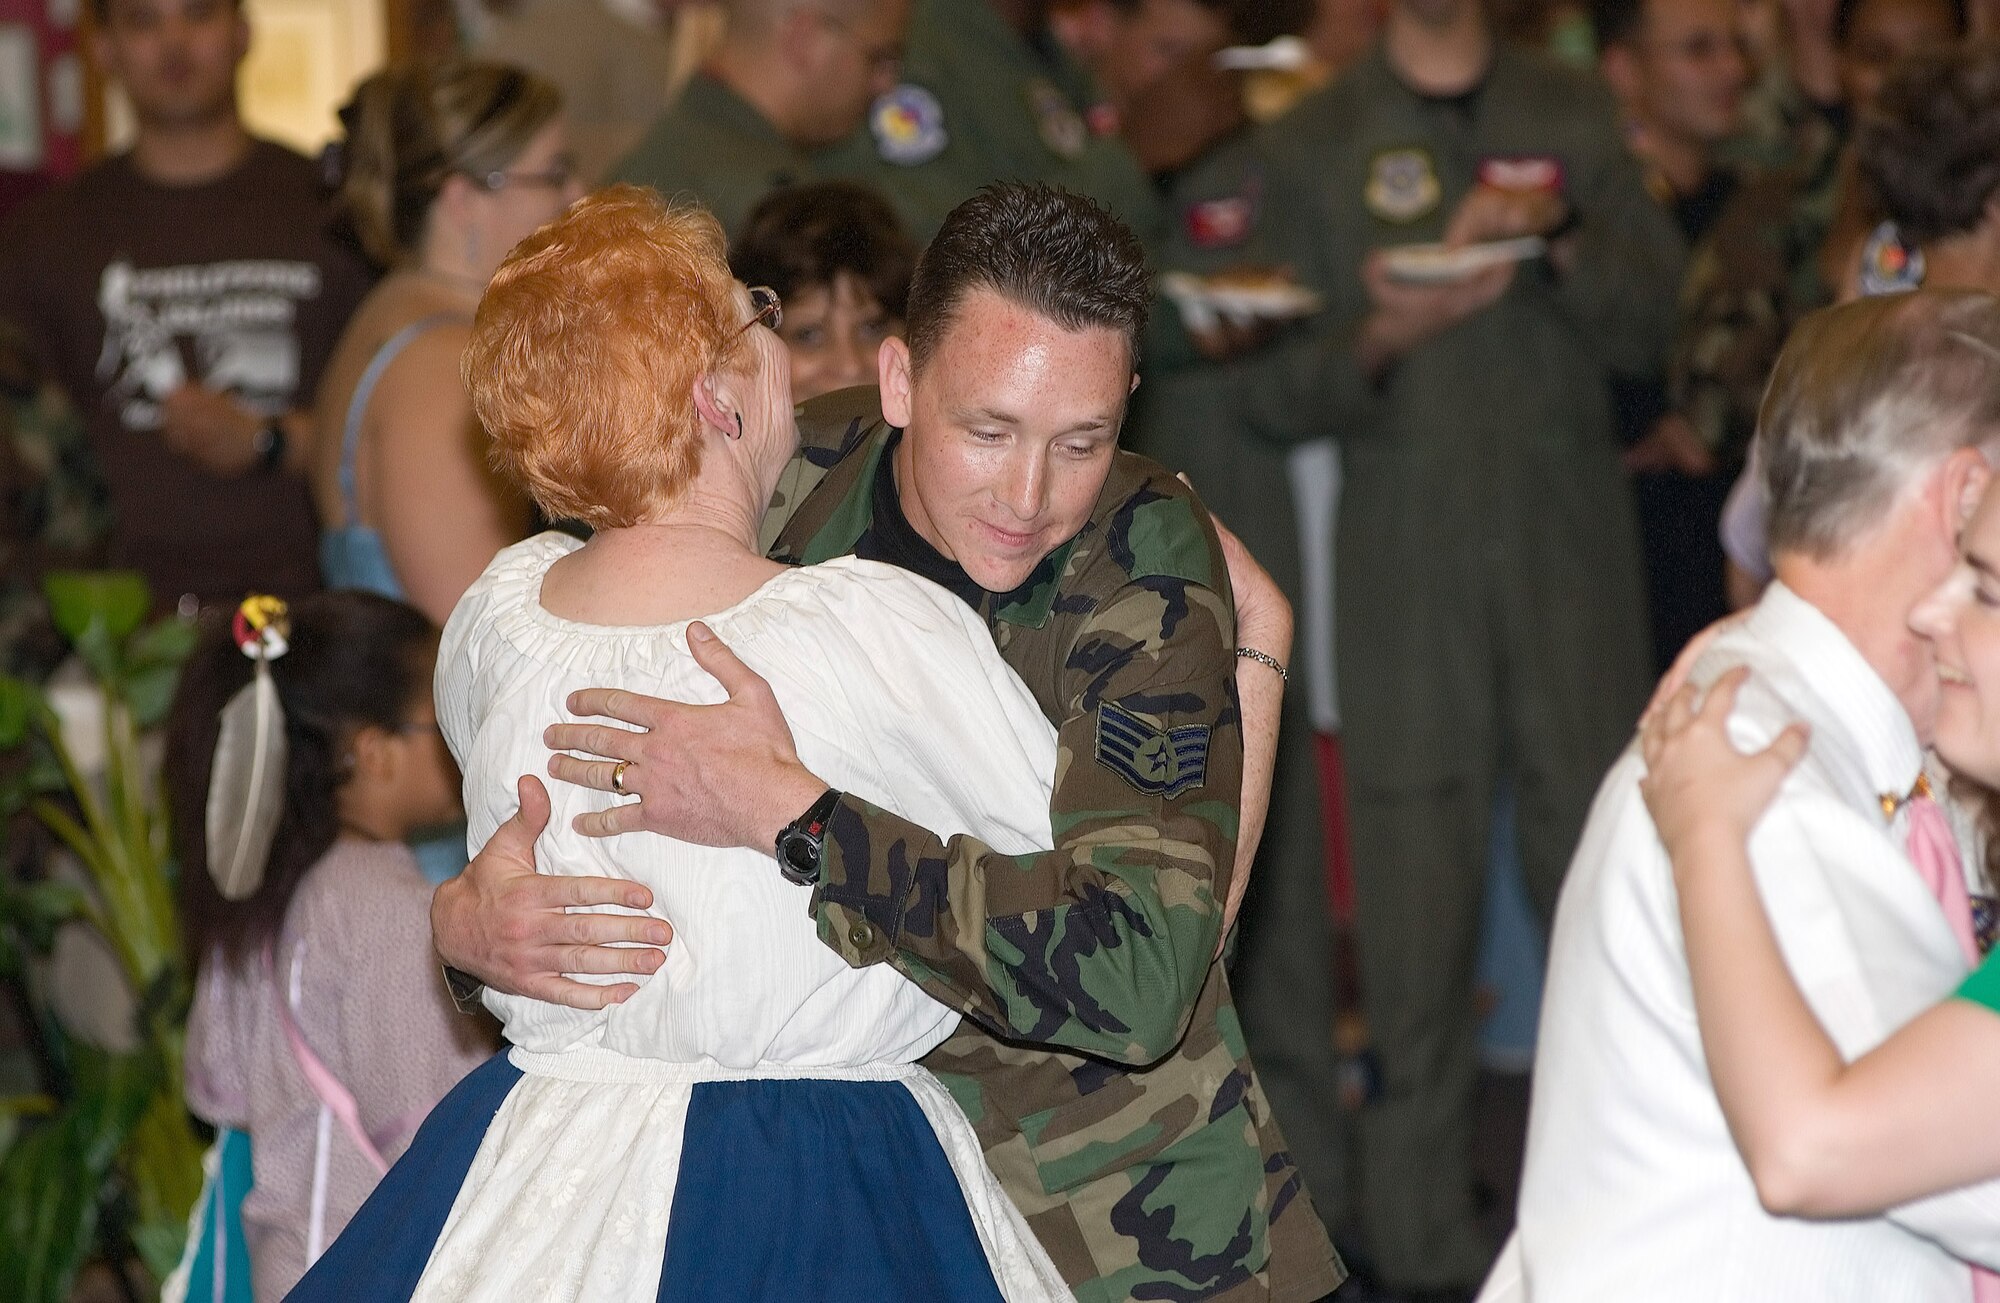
(801, 840)
(269, 445)
(465, 989)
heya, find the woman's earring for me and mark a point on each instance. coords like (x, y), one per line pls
(739, 427)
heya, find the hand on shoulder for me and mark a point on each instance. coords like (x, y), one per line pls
(1699, 788)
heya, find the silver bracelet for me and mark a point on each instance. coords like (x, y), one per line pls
(1264, 658)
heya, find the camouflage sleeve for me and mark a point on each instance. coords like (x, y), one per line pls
(829, 426)
(1734, 315)
(1100, 945)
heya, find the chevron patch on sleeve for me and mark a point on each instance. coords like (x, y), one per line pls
(1153, 761)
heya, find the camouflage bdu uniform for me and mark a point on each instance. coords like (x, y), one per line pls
(56, 509)
(1749, 281)
(1140, 1147)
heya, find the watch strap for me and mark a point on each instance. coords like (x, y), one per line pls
(465, 989)
(270, 444)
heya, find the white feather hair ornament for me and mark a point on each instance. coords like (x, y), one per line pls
(246, 782)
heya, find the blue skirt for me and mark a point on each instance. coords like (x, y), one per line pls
(788, 1188)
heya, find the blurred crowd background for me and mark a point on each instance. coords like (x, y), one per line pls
(241, 242)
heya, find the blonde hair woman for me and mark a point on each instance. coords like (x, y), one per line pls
(445, 170)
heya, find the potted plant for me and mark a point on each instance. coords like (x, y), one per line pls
(109, 1145)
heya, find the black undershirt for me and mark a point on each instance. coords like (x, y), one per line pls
(891, 539)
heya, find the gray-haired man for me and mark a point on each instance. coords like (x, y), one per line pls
(1876, 434)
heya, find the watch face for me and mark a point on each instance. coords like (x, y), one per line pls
(798, 856)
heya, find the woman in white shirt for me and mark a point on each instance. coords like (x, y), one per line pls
(752, 1123)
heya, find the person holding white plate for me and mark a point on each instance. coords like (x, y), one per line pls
(1491, 631)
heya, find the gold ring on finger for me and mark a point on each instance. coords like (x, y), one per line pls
(618, 777)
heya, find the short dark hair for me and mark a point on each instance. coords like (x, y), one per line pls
(1930, 145)
(803, 237)
(1061, 254)
(1616, 22)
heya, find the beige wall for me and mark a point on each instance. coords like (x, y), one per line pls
(305, 57)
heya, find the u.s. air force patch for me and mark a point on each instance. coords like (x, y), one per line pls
(1402, 185)
(908, 125)
(1156, 762)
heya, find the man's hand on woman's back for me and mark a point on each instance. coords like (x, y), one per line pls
(509, 925)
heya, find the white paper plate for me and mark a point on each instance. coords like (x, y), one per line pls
(1440, 264)
(1201, 301)
(1285, 54)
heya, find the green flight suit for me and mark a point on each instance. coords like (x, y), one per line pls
(1189, 418)
(713, 147)
(1486, 571)
(1100, 1061)
(978, 104)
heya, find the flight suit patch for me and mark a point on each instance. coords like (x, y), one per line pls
(1155, 762)
(1058, 123)
(1220, 223)
(908, 126)
(1402, 185)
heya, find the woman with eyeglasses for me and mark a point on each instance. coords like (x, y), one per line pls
(442, 171)
(834, 251)
(749, 1121)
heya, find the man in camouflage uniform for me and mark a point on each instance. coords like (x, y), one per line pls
(1101, 1061)
(1759, 269)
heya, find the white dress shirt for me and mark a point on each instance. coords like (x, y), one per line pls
(1633, 1189)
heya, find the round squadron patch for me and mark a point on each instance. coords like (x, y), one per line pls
(1058, 123)
(908, 125)
(1402, 185)
(1888, 264)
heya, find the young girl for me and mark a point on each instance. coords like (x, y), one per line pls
(320, 1024)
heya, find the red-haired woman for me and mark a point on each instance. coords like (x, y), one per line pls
(751, 1121)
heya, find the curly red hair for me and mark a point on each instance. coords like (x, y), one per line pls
(586, 349)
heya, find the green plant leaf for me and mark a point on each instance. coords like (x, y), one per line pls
(160, 1241)
(164, 642)
(52, 1177)
(162, 1166)
(98, 647)
(36, 911)
(18, 702)
(116, 599)
(149, 691)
